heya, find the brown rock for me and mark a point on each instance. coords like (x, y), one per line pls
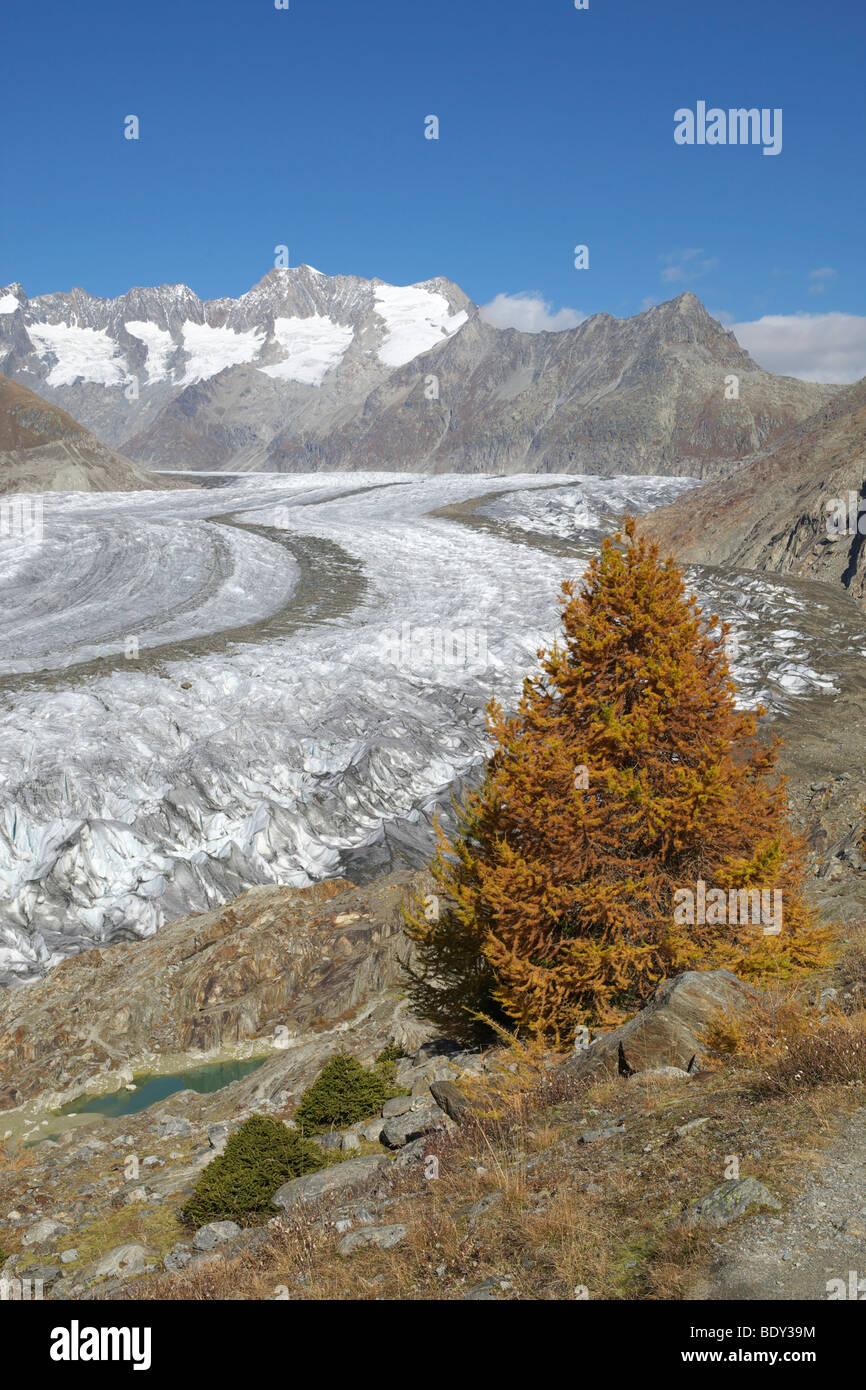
(669, 1032)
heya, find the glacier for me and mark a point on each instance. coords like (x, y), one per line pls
(278, 678)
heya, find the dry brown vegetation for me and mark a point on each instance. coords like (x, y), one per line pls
(558, 1218)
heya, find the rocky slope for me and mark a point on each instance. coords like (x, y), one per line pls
(308, 371)
(42, 449)
(278, 965)
(775, 511)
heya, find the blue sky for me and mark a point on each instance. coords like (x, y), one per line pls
(305, 127)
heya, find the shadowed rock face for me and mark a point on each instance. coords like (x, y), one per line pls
(772, 513)
(277, 963)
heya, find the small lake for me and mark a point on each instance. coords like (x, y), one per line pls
(150, 1089)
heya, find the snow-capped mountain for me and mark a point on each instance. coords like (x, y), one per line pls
(310, 371)
(299, 343)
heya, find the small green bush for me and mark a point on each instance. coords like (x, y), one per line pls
(239, 1183)
(344, 1092)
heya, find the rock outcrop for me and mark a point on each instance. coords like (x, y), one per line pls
(281, 965)
(670, 1031)
(774, 512)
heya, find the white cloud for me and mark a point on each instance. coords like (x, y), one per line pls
(815, 347)
(530, 313)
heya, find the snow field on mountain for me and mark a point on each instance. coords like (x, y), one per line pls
(416, 320)
(85, 353)
(313, 346)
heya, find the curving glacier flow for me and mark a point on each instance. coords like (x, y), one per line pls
(311, 661)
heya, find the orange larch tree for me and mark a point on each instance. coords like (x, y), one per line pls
(627, 780)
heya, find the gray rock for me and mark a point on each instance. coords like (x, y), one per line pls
(402, 1129)
(397, 1105)
(174, 1126)
(484, 1204)
(354, 1176)
(726, 1202)
(48, 1275)
(215, 1233)
(661, 1074)
(382, 1237)
(350, 1143)
(331, 1141)
(177, 1258)
(411, 1153)
(451, 1099)
(44, 1232)
(372, 1131)
(217, 1136)
(487, 1290)
(592, 1136)
(690, 1126)
(437, 1047)
(124, 1260)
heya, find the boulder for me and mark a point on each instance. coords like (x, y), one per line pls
(124, 1260)
(217, 1137)
(397, 1105)
(437, 1047)
(591, 1136)
(215, 1233)
(332, 1140)
(177, 1258)
(381, 1237)
(174, 1126)
(44, 1232)
(661, 1074)
(372, 1130)
(451, 1099)
(341, 1180)
(726, 1202)
(669, 1031)
(402, 1129)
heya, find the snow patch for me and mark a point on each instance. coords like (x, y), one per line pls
(8, 304)
(210, 350)
(82, 354)
(415, 319)
(313, 347)
(160, 347)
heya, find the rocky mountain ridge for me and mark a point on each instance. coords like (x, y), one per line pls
(307, 371)
(798, 506)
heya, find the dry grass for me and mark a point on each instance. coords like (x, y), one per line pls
(851, 965)
(831, 1056)
(14, 1158)
(560, 1216)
